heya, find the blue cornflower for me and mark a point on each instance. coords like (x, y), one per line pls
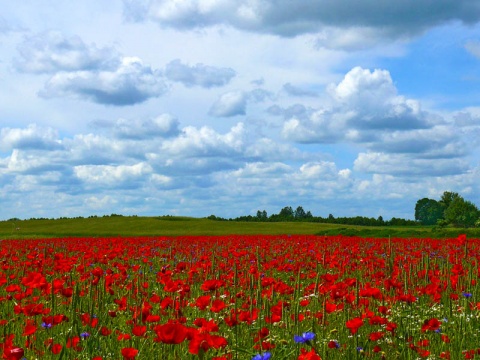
(305, 338)
(46, 325)
(359, 349)
(264, 356)
(84, 335)
(467, 295)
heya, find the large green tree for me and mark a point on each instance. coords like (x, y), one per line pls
(462, 213)
(428, 211)
(448, 197)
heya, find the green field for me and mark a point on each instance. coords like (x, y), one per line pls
(178, 226)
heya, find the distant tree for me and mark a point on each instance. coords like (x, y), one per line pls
(286, 213)
(300, 213)
(262, 215)
(462, 213)
(429, 211)
(380, 220)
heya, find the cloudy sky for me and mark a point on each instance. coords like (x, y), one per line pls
(226, 107)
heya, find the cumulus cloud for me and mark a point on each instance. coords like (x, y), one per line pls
(163, 126)
(229, 104)
(28, 162)
(198, 75)
(233, 103)
(262, 170)
(206, 142)
(120, 176)
(341, 24)
(52, 52)
(467, 118)
(200, 167)
(405, 165)
(87, 72)
(366, 109)
(362, 106)
(443, 141)
(32, 137)
(304, 182)
(130, 83)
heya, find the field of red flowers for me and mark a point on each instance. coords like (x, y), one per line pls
(239, 297)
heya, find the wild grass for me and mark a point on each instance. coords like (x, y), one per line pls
(180, 226)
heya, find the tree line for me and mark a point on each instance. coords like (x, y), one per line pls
(299, 214)
(451, 210)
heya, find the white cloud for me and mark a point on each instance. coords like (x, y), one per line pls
(206, 142)
(325, 170)
(405, 165)
(131, 83)
(52, 52)
(33, 137)
(399, 136)
(233, 103)
(229, 104)
(109, 175)
(31, 163)
(163, 126)
(262, 170)
(198, 75)
(441, 141)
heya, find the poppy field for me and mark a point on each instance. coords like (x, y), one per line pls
(239, 297)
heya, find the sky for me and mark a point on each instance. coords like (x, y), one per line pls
(226, 107)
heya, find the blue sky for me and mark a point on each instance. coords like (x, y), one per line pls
(226, 107)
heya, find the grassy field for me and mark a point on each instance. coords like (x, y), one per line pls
(177, 226)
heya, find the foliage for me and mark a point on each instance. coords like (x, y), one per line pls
(452, 209)
(462, 213)
(300, 215)
(429, 211)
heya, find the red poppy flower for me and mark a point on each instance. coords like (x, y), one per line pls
(202, 302)
(29, 330)
(129, 353)
(217, 306)
(139, 330)
(105, 331)
(56, 349)
(170, 333)
(310, 355)
(431, 324)
(374, 336)
(13, 353)
(354, 324)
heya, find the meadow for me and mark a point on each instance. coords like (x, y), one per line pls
(239, 297)
(179, 226)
